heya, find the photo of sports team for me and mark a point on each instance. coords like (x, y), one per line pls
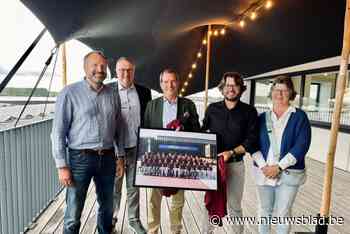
(179, 160)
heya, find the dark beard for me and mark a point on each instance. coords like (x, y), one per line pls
(235, 99)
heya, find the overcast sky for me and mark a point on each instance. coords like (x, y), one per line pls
(19, 28)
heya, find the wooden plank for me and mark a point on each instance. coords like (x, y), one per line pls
(59, 227)
(164, 217)
(44, 218)
(89, 206)
(122, 224)
(55, 220)
(90, 224)
(307, 203)
(189, 213)
(199, 197)
(143, 207)
(197, 208)
(143, 211)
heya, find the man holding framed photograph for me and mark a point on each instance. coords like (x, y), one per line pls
(159, 113)
(236, 126)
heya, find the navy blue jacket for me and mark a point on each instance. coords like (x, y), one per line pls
(296, 137)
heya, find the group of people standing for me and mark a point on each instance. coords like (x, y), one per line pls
(176, 165)
(94, 136)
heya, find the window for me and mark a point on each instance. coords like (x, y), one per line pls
(318, 99)
(262, 91)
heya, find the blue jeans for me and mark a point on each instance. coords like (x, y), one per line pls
(278, 199)
(84, 168)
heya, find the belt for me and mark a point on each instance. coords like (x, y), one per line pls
(99, 152)
(129, 148)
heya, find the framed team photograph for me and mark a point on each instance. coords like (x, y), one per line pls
(176, 159)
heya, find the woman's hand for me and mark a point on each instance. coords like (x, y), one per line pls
(271, 172)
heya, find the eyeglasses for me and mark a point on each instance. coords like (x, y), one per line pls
(283, 91)
(125, 70)
(230, 86)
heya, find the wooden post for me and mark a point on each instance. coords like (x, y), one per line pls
(341, 81)
(64, 65)
(207, 69)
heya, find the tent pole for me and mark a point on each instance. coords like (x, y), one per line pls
(341, 81)
(19, 63)
(207, 69)
(64, 65)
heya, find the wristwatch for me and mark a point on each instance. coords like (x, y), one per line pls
(280, 169)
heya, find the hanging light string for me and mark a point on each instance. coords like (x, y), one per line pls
(252, 13)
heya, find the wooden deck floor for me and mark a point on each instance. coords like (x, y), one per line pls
(307, 203)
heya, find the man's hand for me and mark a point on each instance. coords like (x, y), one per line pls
(271, 172)
(226, 154)
(120, 168)
(65, 176)
(239, 150)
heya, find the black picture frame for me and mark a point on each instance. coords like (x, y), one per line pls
(176, 159)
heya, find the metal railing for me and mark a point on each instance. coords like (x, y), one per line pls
(324, 116)
(28, 178)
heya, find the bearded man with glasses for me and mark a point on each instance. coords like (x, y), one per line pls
(235, 124)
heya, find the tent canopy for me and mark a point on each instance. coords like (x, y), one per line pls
(159, 34)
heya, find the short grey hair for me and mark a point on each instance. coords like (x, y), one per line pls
(287, 81)
(125, 59)
(169, 71)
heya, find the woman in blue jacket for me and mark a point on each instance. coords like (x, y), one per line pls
(279, 167)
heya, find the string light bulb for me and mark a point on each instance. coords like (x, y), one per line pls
(253, 15)
(268, 4)
(223, 31)
(242, 23)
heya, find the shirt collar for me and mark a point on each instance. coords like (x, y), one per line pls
(291, 109)
(120, 87)
(88, 86)
(237, 104)
(168, 102)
